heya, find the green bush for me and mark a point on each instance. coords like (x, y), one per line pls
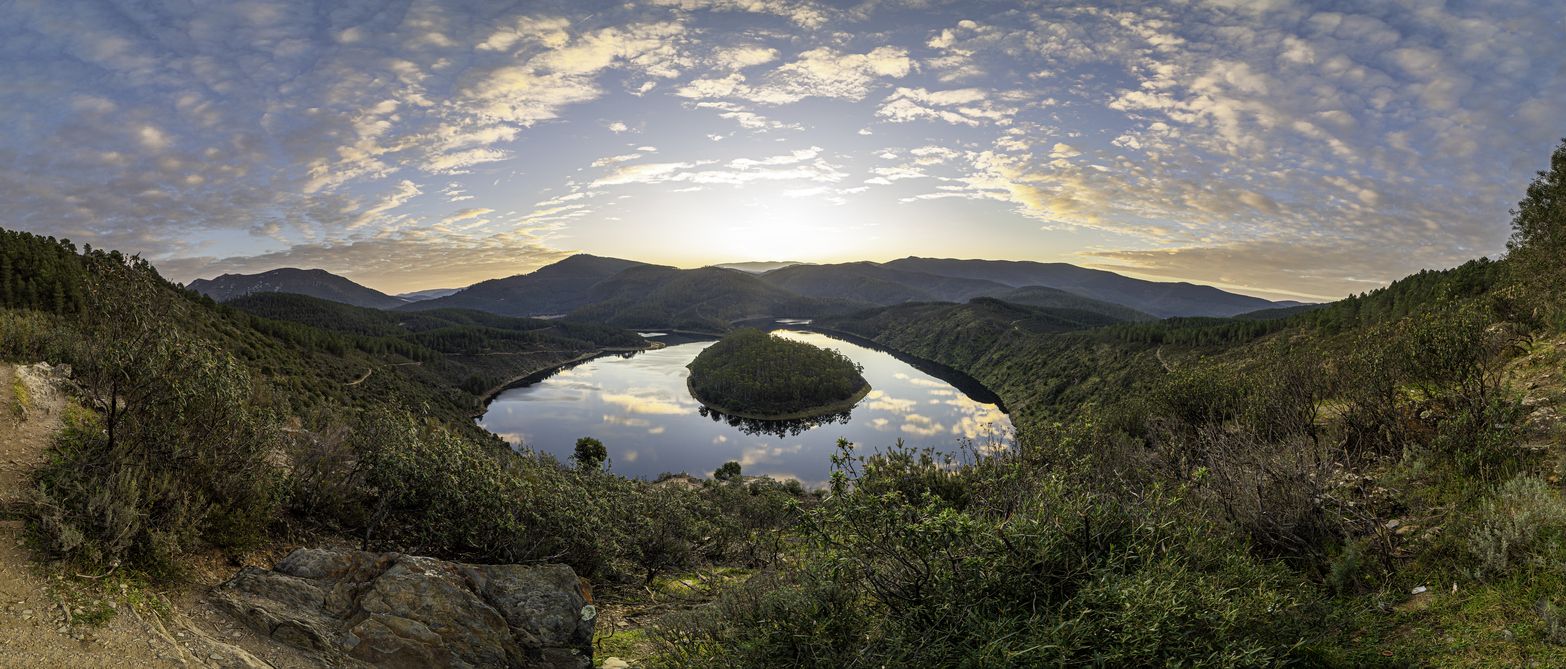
(178, 459)
(1521, 528)
(1035, 571)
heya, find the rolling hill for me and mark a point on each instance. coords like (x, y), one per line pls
(313, 282)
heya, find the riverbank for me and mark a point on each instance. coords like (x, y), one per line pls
(810, 412)
(959, 379)
(539, 371)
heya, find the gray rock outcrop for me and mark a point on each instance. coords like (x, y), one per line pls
(394, 610)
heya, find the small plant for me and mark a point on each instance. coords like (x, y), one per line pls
(22, 400)
(1522, 527)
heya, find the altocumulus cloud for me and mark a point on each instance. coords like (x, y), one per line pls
(1289, 146)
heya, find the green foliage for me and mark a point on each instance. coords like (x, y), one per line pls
(21, 400)
(753, 374)
(1024, 570)
(471, 351)
(707, 299)
(1538, 240)
(40, 273)
(1521, 529)
(590, 453)
(728, 471)
(181, 461)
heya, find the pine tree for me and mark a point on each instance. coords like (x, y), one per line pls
(1538, 241)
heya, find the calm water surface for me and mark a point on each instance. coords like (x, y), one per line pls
(639, 407)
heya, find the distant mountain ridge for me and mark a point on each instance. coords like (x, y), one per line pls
(548, 291)
(421, 295)
(882, 285)
(759, 266)
(312, 282)
(1161, 299)
(706, 298)
(628, 293)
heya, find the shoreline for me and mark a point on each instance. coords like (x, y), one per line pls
(813, 412)
(962, 381)
(489, 395)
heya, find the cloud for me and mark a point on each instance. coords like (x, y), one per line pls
(466, 214)
(741, 57)
(964, 106)
(1203, 133)
(822, 72)
(1317, 272)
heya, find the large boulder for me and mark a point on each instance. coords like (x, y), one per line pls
(394, 610)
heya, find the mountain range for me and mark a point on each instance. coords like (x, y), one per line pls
(627, 293)
(312, 282)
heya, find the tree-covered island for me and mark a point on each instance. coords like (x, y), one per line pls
(752, 374)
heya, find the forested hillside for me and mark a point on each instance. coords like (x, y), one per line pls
(472, 350)
(708, 299)
(39, 273)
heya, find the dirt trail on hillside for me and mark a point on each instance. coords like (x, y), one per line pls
(34, 630)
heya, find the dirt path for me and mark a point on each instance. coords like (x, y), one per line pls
(33, 631)
(40, 614)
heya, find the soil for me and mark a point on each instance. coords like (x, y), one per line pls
(42, 605)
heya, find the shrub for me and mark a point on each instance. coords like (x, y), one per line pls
(1522, 527)
(1035, 571)
(590, 453)
(184, 460)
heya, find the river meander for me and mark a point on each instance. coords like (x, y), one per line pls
(638, 405)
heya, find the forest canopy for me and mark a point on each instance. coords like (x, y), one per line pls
(752, 374)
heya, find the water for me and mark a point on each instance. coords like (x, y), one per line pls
(638, 405)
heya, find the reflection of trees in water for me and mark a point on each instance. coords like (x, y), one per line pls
(778, 428)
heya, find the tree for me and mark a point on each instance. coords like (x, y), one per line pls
(1538, 240)
(728, 471)
(590, 453)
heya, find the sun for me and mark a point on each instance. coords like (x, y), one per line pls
(785, 227)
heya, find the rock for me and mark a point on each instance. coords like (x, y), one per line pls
(394, 610)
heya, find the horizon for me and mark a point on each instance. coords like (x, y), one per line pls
(1278, 149)
(1276, 296)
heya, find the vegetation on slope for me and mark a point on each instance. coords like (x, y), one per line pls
(470, 350)
(37, 273)
(201, 432)
(1052, 298)
(1161, 299)
(752, 374)
(1373, 483)
(709, 299)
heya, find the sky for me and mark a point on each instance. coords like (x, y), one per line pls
(1283, 148)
